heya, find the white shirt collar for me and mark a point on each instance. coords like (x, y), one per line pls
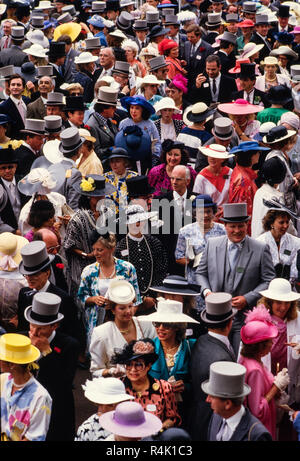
(16, 101)
(239, 244)
(179, 197)
(45, 287)
(234, 420)
(217, 79)
(29, 147)
(222, 338)
(8, 183)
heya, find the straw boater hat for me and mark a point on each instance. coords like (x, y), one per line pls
(280, 290)
(10, 251)
(216, 151)
(166, 103)
(105, 391)
(120, 292)
(86, 135)
(44, 309)
(199, 112)
(34, 258)
(168, 311)
(226, 380)
(18, 349)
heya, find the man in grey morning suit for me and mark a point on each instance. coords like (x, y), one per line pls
(236, 264)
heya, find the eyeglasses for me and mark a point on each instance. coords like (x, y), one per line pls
(166, 326)
(137, 365)
(57, 247)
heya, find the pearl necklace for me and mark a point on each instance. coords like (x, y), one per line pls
(152, 264)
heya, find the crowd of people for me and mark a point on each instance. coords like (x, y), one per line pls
(149, 219)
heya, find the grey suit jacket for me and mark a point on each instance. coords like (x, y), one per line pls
(254, 272)
(249, 429)
(36, 109)
(69, 67)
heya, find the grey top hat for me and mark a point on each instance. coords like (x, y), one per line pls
(249, 7)
(55, 99)
(69, 9)
(295, 73)
(218, 308)
(121, 67)
(228, 37)
(171, 19)
(166, 11)
(152, 17)
(124, 3)
(97, 7)
(45, 71)
(108, 96)
(65, 18)
(226, 380)
(157, 62)
(262, 19)
(140, 24)
(232, 17)
(37, 22)
(17, 33)
(53, 123)
(6, 72)
(34, 126)
(92, 43)
(70, 140)
(44, 309)
(34, 258)
(214, 19)
(235, 212)
(124, 20)
(223, 128)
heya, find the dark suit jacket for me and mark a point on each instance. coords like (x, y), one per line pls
(259, 96)
(196, 63)
(206, 351)
(7, 214)
(56, 373)
(9, 108)
(105, 137)
(265, 51)
(226, 89)
(36, 109)
(59, 79)
(26, 158)
(58, 274)
(248, 429)
(70, 323)
(13, 55)
(227, 61)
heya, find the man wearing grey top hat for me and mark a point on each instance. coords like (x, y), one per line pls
(14, 55)
(226, 391)
(236, 264)
(34, 133)
(226, 52)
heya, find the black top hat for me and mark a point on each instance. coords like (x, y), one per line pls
(247, 70)
(8, 155)
(112, 5)
(279, 94)
(176, 284)
(57, 50)
(138, 186)
(74, 103)
(283, 11)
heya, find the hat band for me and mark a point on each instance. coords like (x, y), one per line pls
(37, 267)
(179, 285)
(42, 318)
(220, 135)
(218, 317)
(73, 147)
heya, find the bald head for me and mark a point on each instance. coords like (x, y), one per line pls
(180, 179)
(50, 240)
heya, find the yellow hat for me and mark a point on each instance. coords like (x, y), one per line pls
(17, 348)
(10, 247)
(70, 28)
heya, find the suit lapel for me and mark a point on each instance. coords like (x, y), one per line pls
(243, 262)
(241, 429)
(220, 257)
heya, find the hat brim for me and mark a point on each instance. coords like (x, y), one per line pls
(32, 357)
(27, 315)
(24, 271)
(204, 318)
(38, 133)
(130, 101)
(140, 217)
(252, 52)
(199, 117)
(108, 190)
(73, 30)
(207, 389)
(174, 318)
(21, 241)
(239, 109)
(292, 296)
(289, 134)
(151, 425)
(237, 219)
(104, 399)
(176, 291)
(208, 152)
(57, 172)
(74, 148)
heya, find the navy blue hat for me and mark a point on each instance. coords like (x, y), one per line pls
(135, 141)
(248, 146)
(284, 37)
(118, 152)
(157, 31)
(4, 119)
(203, 201)
(137, 100)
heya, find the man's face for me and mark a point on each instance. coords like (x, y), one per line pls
(173, 30)
(38, 280)
(152, 3)
(109, 112)
(179, 182)
(217, 7)
(212, 69)
(262, 29)
(8, 171)
(141, 34)
(45, 85)
(7, 28)
(161, 73)
(16, 87)
(232, 27)
(112, 15)
(36, 142)
(42, 331)
(283, 22)
(76, 117)
(193, 38)
(51, 244)
(216, 404)
(53, 110)
(106, 59)
(251, 16)
(236, 232)
(247, 84)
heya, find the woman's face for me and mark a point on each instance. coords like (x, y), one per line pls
(173, 157)
(165, 332)
(255, 158)
(215, 162)
(3, 129)
(118, 165)
(173, 93)
(84, 149)
(136, 113)
(280, 225)
(167, 115)
(151, 90)
(174, 52)
(137, 370)
(130, 55)
(205, 216)
(49, 223)
(280, 308)
(241, 119)
(102, 254)
(123, 312)
(4, 367)
(270, 69)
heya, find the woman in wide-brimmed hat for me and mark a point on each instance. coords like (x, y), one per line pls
(85, 64)
(120, 327)
(88, 162)
(28, 418)
(242, 113)
(257, 337)
(286, 57)
(282, 303)
(167, 126)
(138, 357)
(173, 350)
(271, 77)
(148, 87)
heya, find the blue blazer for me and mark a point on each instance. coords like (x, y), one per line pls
(181, 369)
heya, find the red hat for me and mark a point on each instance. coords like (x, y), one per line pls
(237, 68)
(246, 23)
(166, 44)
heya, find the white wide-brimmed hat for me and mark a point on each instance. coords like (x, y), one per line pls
(216, 151)
(250, 49)
(136, 213)
(280, 290)
(85, 58)
(120, 292)
(285, 50)
(105, 391)
(150, 80)
(168, 311)
(36, 50)
(51, 151)
(118, 33)
(37, 36)
(166, 103)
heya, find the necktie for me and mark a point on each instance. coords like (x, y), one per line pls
(21, 110)
(12, 193)
(248, 97)
(214, 86)
(31, 292)
(143, 44)
(6, 42)
(221, 435)
(233, 254)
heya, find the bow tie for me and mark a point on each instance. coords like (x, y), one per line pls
(31, 292)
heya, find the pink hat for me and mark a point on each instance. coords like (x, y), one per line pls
(296, 30)
(239, 107)
(130, 420)
(237, 68)
(258, 326)
(180, 82)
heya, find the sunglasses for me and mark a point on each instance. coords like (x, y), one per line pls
(137, 365)
(166, 326)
